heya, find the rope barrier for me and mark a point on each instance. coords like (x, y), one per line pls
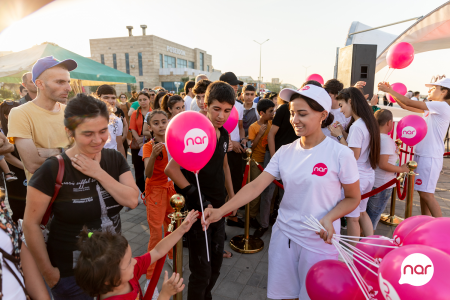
(275, 181)
(401, 195)
(155, 277)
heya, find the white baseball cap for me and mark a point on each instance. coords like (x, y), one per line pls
(320, 95)
(445, 82)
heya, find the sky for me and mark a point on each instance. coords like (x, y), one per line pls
(301, 33)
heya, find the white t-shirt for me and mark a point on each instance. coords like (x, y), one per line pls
(115, 128)
(235, 137)
(339, 117)
(305, 173)
(11, 287)
(359, 137)
(414, 98)
(438, 118)
(194, 105)
(387, 147)
(187, 102)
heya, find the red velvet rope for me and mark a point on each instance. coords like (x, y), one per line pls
(401, 195)
(155, 277)
(247, 169)
(377, 190)
(276, 182)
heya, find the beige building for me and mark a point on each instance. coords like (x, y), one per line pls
(152, 60)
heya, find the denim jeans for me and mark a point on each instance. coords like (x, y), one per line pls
(67, 289)
(377, 204)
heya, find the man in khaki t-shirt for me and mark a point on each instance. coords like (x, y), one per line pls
(37, 127)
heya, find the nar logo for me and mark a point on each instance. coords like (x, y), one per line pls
(419, 182)
(387, 289)
(195, 141)
(417, 270)
(305, 88)
(409, 132)
(320, 169)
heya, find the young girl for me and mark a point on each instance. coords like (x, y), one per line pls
(429, 152)
(364, 139)
(106, 269)
(305, 167)
(172, 105)
(158, 187)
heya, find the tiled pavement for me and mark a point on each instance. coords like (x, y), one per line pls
(244, 276)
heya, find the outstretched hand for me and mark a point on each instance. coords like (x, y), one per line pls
(171, 286)
(211, 215)
(190, 219)
(384, 87)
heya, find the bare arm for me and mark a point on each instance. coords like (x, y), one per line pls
(173, 172)
(131, 111)
(33, 278)
(241, 129)
(120, 147)
(13, 160)
(29, 154)
(228, 182)
(271, 139)
(356, 152)
(125, 129)
(386, 166)
(403, 101)
(261, 132)
(5, 145)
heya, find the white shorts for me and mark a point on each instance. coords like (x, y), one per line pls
(288, 265)
(429, 169)
(365, 185)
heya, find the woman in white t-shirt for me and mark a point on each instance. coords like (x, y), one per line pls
(429, 152)
(333, 87)
(313, 169)
(364, 139)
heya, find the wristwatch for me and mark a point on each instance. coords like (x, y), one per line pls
(339, 137)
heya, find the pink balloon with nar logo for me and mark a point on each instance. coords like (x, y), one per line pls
(400, 55)
(405, 227)
(399, 88)
(232, 120)
(315, 77)
(191, 140)
(411, 130)
(434, 233)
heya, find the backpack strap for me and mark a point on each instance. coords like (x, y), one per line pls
(58, 184)
(16, 262)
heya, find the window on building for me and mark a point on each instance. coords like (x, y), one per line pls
(207, 68)
(181, 63)
(128, 88)
(202, 58)
(169, 62)
(141, 72)
(191, 65)
(114, 61)
(364, 71)
(141, 85)
(161, 61)
(127, 63)
(102, 58)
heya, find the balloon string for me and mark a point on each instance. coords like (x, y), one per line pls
(385, 75)
(356, 250)
(203, 214)
(366, 238)
(376, 245)
(356, 271)
(390, 74)
(370, 261)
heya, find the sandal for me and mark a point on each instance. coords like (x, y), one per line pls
(11, 178)
(227, 254)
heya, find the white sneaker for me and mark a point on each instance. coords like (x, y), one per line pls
(170, 262)
(155, 294)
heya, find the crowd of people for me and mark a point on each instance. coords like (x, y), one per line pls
(326, 145)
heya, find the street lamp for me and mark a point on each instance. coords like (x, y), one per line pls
(177, 85)
(306, 71)
(260, 50)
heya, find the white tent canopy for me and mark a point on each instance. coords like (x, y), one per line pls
(432, 32)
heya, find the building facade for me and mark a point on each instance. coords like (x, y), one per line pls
(154, 61)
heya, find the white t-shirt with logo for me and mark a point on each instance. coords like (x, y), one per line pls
(359, 137)
(312, 186)
(437, 118)
(387, 147)
(115, 128)
(339, 117)
(235, 137)
(187, 102)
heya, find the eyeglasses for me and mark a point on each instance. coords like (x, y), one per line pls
(152, 95)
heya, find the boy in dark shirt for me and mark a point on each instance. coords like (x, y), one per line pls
(215, 184)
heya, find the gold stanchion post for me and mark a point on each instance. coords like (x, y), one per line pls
(391, 219)
(412, 165)
(177, 202)
(247, 243)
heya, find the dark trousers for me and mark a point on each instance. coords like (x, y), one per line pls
(235, 164)
(67, 289)
(125, 147)
(204, 274)
(139, 169)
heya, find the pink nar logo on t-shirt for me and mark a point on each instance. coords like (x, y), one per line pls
(305, 88)
(419, 182)
(320, 169)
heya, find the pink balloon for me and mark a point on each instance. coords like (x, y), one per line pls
(415, 272)
(373, 251)
(191, 140)
(400, 55)
(411, 130)
(331, 279)
(399, 88)
(232, 121)
(434, 233)
(315, 77)
(405, 227)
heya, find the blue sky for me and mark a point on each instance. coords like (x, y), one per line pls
(301, 33)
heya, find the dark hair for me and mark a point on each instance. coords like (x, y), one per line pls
(316, 107)
(383, 116)
(156, 103)
(169, 102)
(313, 82)
(273, 95)
(264, 104)
(201, 86)
(447, 96)
(98, 267)
(105, 89)
(220, 91)
(239, 94)
(82, 107)
(248, 88)
(361, 108)
(5, 109)
(416, 93)
(152, 114)
(21, 88)
(266, 96)
(189, 85)
(140, 108)
(333, 86)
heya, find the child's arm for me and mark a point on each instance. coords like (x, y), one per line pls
(171, 286)
(173, 172)
(169, 241)
(149, 162)
(261, 131)
(13, 160)
(403, 101)
(386, 166)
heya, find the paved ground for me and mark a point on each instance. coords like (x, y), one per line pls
(244, 276)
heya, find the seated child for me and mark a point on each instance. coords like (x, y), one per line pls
(107, 270)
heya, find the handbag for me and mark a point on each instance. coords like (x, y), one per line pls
(134, 143)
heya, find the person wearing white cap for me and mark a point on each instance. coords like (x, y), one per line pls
(305, 166)
(429, 152)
